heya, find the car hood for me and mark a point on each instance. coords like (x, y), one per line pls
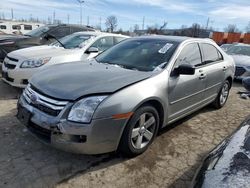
(241, 60)
(41, 51)
(71, 81)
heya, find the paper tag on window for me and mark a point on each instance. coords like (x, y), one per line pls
(165, 48)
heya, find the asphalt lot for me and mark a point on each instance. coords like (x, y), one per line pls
(170, 162)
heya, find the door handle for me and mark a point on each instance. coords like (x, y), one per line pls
(202, 76)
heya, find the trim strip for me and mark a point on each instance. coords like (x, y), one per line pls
(178, 100)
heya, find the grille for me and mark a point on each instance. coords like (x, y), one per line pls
(43, 103)
(239, 71)
(41, 132)
(9, 66)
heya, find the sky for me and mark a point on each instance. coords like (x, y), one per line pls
(130, 12)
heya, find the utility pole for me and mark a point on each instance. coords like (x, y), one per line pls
(68, 18)
(81, 2)
(207, 23)
(100, 23)
(143, 21)
(54, 17)
(12, 14)
(88, 21)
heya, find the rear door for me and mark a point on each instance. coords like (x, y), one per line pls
(214, 69)
(186, 92)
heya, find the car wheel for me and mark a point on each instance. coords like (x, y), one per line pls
(140, 131)
(222, 97)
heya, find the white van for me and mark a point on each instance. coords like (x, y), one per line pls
(15, 27)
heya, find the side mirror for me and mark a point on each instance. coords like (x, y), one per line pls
(186, 69)
(92, 50)
(47, 36)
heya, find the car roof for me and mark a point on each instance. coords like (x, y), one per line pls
(97, 33)
(177, 39)
(164, 37)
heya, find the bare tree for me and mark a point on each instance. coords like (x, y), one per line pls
(231, 28)
(136, 27)
(164, 25)
(111, 23)
(195, 30)
(248, 28)
(156, 29)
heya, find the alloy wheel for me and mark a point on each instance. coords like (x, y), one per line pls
(224, 94)
(143, 131)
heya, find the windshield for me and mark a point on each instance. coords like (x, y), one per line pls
(241, 50)
(74, 41)
(38, 31)
(140, 54)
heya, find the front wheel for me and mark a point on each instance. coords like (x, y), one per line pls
(140, 131)
(222, 97)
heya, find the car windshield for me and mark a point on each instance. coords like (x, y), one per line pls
(239, 50)
(74, 41)
(139, 54)
(38, 31)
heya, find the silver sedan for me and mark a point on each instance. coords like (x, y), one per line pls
(120, 99)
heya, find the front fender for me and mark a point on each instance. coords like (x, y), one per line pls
(130, 98)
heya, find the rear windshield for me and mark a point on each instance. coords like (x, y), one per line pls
(38, 31)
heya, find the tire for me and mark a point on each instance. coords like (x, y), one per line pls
(222, 97)
(140, 131)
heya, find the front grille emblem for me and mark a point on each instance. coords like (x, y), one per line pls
(34, 98)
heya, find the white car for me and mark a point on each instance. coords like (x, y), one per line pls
(20, 65)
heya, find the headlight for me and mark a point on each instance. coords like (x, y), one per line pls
(83, 110)
(33, 63)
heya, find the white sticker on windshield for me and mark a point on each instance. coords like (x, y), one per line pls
(165, 48)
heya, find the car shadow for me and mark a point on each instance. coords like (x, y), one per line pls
(8, 92)
(185, 179)
(171, 126)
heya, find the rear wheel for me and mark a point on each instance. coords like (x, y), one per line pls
(222, 97)
(140, 131)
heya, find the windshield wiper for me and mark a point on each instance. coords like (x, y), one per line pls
(47, 36)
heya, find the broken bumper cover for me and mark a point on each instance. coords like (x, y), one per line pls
(99, 136)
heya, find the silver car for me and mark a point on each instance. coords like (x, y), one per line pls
(120, 99)
(241, 56)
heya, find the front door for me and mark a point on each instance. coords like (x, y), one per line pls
(186, 92)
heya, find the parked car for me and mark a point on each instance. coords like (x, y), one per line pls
(39, 36)
(225, 47)
(21, 64)
(228, 165)
(241, 56)
(121, 98)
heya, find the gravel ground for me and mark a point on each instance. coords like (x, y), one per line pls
(170, 161)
